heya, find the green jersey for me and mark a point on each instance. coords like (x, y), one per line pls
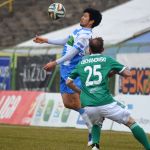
(93, 71)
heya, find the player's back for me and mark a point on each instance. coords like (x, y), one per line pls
(93, 71)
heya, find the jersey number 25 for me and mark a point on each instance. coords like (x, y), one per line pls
(93, 71)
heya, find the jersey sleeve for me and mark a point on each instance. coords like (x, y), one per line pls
(115, 65)
(81, 43)
(74, 74)
(58, 41)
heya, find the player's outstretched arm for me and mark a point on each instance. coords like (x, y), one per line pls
(50, 65)
(39, 39)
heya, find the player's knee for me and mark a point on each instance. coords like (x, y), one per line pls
(67, 106)
(72, 105)
(71, 101)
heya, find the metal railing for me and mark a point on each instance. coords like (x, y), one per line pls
(30, 51)
(8, 3)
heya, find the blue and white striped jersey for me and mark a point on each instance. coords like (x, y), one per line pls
(79, 39)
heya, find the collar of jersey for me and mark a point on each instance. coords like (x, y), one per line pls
(95, 54)
(89, 29)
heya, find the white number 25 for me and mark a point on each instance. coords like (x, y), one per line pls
(93, 72)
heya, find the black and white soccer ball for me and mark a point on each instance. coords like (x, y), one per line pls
(56, 11)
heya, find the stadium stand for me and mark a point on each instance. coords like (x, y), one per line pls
(29, 17)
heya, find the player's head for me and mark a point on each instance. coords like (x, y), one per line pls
(96, 45)
(91, 18)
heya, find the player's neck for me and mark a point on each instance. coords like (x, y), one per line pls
(95, 54)
(87, 28)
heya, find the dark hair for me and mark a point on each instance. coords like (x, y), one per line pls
(94, 15)
(96, 45)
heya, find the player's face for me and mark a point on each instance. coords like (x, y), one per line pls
(85, 21)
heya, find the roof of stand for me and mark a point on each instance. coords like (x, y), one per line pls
(118, 24)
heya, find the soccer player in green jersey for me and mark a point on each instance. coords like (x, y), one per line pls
(95, 97)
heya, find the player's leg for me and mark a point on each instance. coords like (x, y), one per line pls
(97, 122)
(71, 100)
(95, 138)
(138, 133)
(119, 114)
(90, 142)
(96, 134)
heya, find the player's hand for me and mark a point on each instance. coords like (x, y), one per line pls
(39, 39)
(49, 66)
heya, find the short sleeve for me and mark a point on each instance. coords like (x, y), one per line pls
(115, 65)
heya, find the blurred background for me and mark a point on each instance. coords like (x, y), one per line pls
(21, 20)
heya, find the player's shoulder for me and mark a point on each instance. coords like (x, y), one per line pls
(84, 36)
(109, 58)
(100, 55)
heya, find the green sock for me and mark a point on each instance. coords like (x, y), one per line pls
(140, 135)
(96, 131)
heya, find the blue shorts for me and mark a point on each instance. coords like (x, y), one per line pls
(64, 74)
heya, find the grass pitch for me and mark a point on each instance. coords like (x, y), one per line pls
(44, 138)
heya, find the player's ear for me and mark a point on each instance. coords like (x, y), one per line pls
(91, 22)
(90, 51)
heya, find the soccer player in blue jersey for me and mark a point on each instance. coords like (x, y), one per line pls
(74, 49)
(95, 97)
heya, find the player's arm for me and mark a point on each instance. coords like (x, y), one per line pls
(79, 46)
(125, 72)
(74, 74)
(71, 85)
(81, 43)
(39, 39)
(67, 56)
(112, 73)
(117, 68)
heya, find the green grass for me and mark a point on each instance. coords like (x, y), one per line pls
(44, 138)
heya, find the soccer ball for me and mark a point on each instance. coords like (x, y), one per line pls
(56, 11)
